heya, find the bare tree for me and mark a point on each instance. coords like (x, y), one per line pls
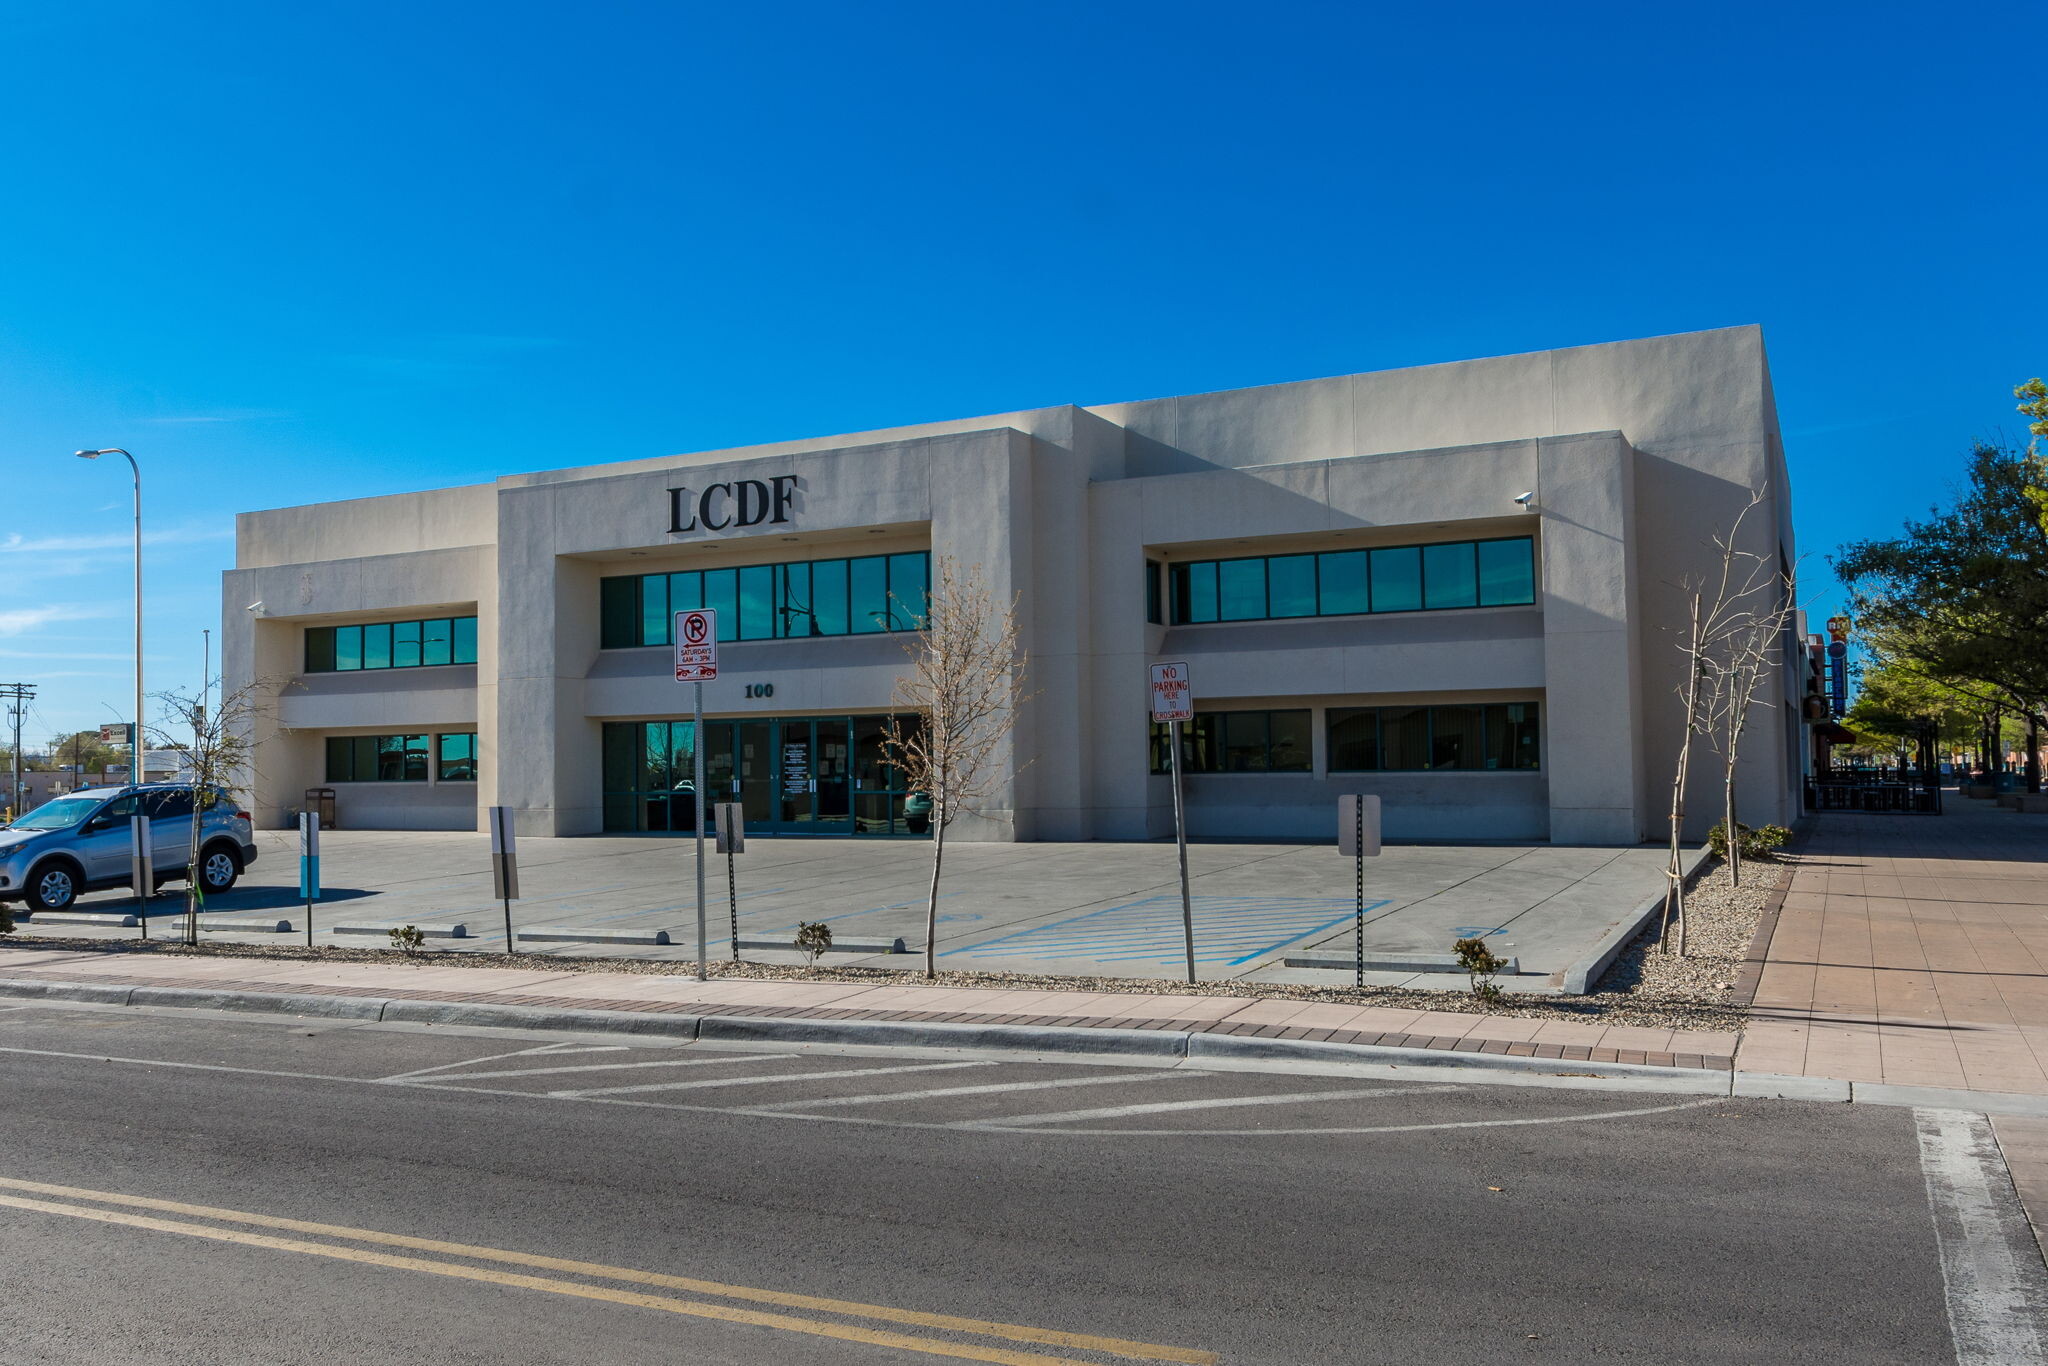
(216, 760)
(1756, 629)
(1718, 603)
(962, 695)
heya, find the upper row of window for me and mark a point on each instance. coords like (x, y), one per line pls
(1409, 578)
(391, 645)
(858, 596)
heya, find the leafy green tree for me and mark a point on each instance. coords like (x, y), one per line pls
(1961, 598)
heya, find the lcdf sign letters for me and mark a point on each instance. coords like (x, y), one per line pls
(728, 506)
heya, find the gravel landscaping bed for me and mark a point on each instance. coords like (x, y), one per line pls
(1644, 987)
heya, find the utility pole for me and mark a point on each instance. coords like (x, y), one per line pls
(17, 696)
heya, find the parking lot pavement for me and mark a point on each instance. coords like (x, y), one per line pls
(1081, 909)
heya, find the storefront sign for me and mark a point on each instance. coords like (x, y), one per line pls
(796, 770)
(726, 507)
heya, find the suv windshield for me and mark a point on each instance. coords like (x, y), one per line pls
(60, 814)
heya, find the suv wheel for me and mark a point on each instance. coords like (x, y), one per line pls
(218, 870)
(53, 887)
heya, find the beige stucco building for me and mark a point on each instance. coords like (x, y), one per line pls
(1344, 564)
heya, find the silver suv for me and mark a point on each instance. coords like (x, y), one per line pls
(81, 843)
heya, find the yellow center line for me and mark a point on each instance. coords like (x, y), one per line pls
(784, 1299)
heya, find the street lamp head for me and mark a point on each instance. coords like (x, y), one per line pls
(87, 455)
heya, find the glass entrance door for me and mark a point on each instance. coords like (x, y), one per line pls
(811, 777)
(827, 775)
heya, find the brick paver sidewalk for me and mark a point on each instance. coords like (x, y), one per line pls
(1444, 1030)
(1912, 950)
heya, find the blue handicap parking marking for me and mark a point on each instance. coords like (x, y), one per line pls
(1228, 929)
(1475, 931)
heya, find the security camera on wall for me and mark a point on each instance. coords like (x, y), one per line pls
(1524, 499)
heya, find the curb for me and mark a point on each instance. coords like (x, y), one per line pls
(1155, 1043)
(1580, 977)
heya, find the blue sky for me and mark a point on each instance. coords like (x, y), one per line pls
(288, 253)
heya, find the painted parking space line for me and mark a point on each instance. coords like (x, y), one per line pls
(547, 1049)
(1214, 1103)
(781, 1300)
(768, 1080)
(1232, 930)
(605, 1067)
(993, 1088)
(1991, 1267)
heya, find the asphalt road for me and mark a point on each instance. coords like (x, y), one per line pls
(858, 1206)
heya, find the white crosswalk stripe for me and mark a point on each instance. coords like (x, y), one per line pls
(1219, 1103)
(606, 1067)
(761, 1080)
(996, 1088)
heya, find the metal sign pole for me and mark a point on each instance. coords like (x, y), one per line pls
(309, 865)
(140, 873)
(697, 802)
(505, 866)
(1358, 834)
(1180, 839)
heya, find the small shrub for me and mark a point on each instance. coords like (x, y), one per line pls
(1755, 843)
(409, 940)
(812, 939)
(1481, 964)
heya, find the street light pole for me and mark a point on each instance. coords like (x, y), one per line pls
(135, 747)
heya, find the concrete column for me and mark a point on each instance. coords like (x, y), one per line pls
(1585, 497)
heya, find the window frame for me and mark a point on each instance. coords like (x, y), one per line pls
(1196, 589)
(804, 599)
(324, 649)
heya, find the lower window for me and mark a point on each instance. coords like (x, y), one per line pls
(376, 758)
(1238, 742)
(456, 758)
(1467, 736)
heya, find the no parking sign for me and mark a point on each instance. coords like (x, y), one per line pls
(696, 635)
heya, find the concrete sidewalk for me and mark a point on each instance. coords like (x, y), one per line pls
(1443, 1031)
(1912, 951)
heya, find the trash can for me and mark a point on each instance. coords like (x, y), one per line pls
(320, 801)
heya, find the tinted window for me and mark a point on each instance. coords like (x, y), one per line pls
(1456, 739)
(319, 649)
(828, 597)
(1507, 573)
(377, 646)
(757, 604)
(169, 805)
(437, 642)
(405, 644)
(1354, 741)
(1342, 576)
(1404, 737)
(1449, 578)
(654, 610)
(870, 594)
(1291, 586)
(1397, 579)
(348, 647)
(1241, 589)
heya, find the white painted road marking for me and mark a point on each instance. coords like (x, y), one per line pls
(494, 1057)
(1990, 1264)
(774, 1080)
(1001, 1087)
(1221, 1103)
(605, 1067)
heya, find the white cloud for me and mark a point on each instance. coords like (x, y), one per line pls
(15, 621)
(17, 544)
